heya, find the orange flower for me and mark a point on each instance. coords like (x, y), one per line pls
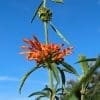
(42, 53)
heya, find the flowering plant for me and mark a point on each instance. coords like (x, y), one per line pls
(51, 56)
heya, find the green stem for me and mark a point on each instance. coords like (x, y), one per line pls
(52, 97)
(46, 41)
(50, 79)
(82, 97)
(44, 3)
(45, 25)
(82, 92)
(46, 32)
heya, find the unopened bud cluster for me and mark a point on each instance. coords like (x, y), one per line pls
(44, 14)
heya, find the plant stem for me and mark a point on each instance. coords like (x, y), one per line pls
(82, 92)
(44, 3)
(82, 97)
(46, 41)
(45, 25)
(50, 79)
(46, 32)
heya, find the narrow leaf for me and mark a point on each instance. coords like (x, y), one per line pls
(93, 68)
(86, 60)
(69, 68)
(48, 89)
(58, 1)
(55, 72)
(52, 93)
(59, 33)
(37, 93)
(40, 97)
(26, 76)
(57, 98)
(35, 13)
(84, 65)
(58, 90)
(89, 74)
(62, 76)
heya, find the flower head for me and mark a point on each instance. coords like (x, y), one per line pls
(42, 53)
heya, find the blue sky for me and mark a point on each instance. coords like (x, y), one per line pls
(78, 20)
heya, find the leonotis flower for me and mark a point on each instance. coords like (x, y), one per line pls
(42, 53)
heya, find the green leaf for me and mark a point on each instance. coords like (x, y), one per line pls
(59, 33)
(44, 93)
(86, 78)
(58, 1)
(69, 68)
(35, 13)
(48, 89)
(84, 65)
(55, 72)
(62, 76)
(86, 60)
(38, 93)
(58, 90)
(26, 76)
(51, 91)
(40, 97)
(93, 69)
(57, 98)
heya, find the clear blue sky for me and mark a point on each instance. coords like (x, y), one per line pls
(78, 20)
